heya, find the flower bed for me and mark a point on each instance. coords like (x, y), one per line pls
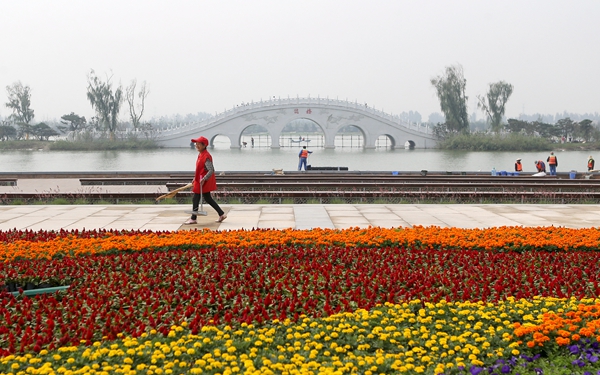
(367, 300)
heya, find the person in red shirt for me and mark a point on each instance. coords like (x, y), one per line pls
(205, 177)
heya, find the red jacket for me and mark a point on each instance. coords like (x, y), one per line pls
(211, 183)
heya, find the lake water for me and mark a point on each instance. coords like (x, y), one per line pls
(263, 158)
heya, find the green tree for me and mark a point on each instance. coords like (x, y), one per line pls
(494, 103)
(73, 122)
(105, 102)
(519, 126)
(7, 132)
(450, 89)
(19, 100)
(567, 127)
(43, 131)
(136, 111)
(585, 130)
(546, 130)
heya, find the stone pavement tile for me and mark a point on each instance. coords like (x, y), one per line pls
(240, 219)
(309, 217)
(92, 222)
(339, 207)
(5, 217)
(20, 223)
(243, 213)
(276, 224)
(52, 224)
(111, 211)
(589, 216)
(21, 209)
(242, 207)
(369, 209)
(277, 209)
(343, 213)
(380, 216)
(529, 220)
(489, 222)
(136, 216)
(389, 223)
(273, 217)
(161, 227)
(349, 221)
(352, 225)
(403, 207)
(121, 224)
(420, 219)
(75, 211)
(159, 209)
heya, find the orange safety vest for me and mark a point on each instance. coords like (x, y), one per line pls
(518, 167)
(591, 163)
(551, 160)
(304, 154)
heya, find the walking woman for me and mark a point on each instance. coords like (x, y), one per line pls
(205, 177)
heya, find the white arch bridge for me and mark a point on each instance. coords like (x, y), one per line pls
(330, 115)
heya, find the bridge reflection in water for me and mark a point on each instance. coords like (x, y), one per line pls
(261, 140)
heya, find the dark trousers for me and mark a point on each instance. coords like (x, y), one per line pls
(208, 199)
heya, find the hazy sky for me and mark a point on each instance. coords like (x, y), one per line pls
(207, 56)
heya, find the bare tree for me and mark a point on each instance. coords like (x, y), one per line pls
(105, 102)
(130, 96)
(494, 104)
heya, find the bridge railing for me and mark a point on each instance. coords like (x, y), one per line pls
(251, 106)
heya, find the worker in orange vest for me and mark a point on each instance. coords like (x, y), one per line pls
(591, 163)
(303, 155)
(552, 163)
(518, 166)
(540, 165)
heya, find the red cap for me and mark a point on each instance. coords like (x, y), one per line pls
(202, 140)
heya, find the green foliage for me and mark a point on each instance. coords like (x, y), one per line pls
(263, 201)
(73, 122)
(7, 132)
(494, 142)
(105, 101)
(494, 104)
(24, 145)
(60, 201)
(450, 89)
(103, 144)
(43, 132)
(19, 100)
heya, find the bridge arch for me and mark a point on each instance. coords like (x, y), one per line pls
(329, 114)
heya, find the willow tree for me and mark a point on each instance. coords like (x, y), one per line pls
(19, 100)
(105, 102)
(450, 89)
(494, 103)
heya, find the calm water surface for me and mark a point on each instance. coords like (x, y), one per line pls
(265, 159)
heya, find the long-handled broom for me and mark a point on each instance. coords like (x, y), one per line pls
(171, 194)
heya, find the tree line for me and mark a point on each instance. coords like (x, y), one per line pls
(105, 98)
(450, 88)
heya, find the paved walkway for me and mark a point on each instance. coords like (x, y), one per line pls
(161, 217)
